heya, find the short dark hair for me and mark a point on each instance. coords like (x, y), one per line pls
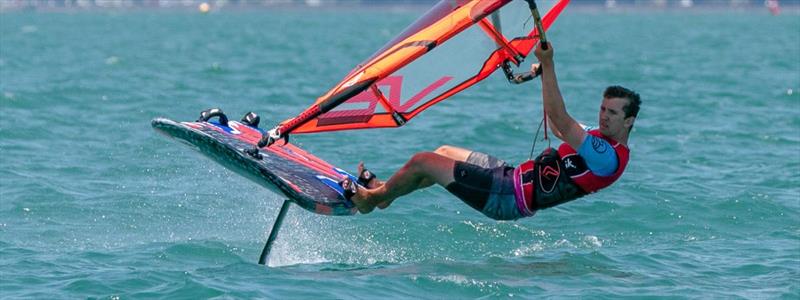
(632, 108)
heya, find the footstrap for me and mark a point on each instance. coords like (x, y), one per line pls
(213, 112)
(365, 177)
(349, 188)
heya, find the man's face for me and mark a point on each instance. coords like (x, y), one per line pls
(612, 118)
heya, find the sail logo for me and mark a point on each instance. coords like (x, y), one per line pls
(395, 85)
(361, 107)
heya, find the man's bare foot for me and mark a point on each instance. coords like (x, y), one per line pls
(373, 184)
(360, 198)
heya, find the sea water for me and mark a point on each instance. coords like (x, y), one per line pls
(95, 204)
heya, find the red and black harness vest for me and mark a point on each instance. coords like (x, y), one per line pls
(556, 177)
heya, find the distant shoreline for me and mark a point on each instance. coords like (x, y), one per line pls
(791, 7)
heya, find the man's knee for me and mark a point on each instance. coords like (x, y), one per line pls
(430, 168)
(419, 160)
(444, 150)
(422, 157)
(454, 153)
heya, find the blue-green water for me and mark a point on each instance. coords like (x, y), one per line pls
(96, 204)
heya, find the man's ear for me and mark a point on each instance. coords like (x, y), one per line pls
(629, 121)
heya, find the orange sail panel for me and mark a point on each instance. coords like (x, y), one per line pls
(437, 56)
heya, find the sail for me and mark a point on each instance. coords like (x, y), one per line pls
(456, 44)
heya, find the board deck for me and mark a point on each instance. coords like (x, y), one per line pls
(286, 169)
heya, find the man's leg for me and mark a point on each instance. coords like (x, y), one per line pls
(421, 171)
(452, 152)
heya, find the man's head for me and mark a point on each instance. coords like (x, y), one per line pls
(618, 111)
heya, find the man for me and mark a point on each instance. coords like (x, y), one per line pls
(503, 192)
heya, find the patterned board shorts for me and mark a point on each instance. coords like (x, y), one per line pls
(486, 183)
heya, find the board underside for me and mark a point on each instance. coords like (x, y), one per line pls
(286, 169)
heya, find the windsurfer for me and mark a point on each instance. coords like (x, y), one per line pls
(586, 162)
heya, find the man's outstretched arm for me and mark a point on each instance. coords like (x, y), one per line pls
(569, 130)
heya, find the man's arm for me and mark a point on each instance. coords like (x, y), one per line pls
(558, 133)
(553, 129)
(568, 130)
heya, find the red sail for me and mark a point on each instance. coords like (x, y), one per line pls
(439, 55)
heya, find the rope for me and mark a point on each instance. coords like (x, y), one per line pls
(535, 137)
